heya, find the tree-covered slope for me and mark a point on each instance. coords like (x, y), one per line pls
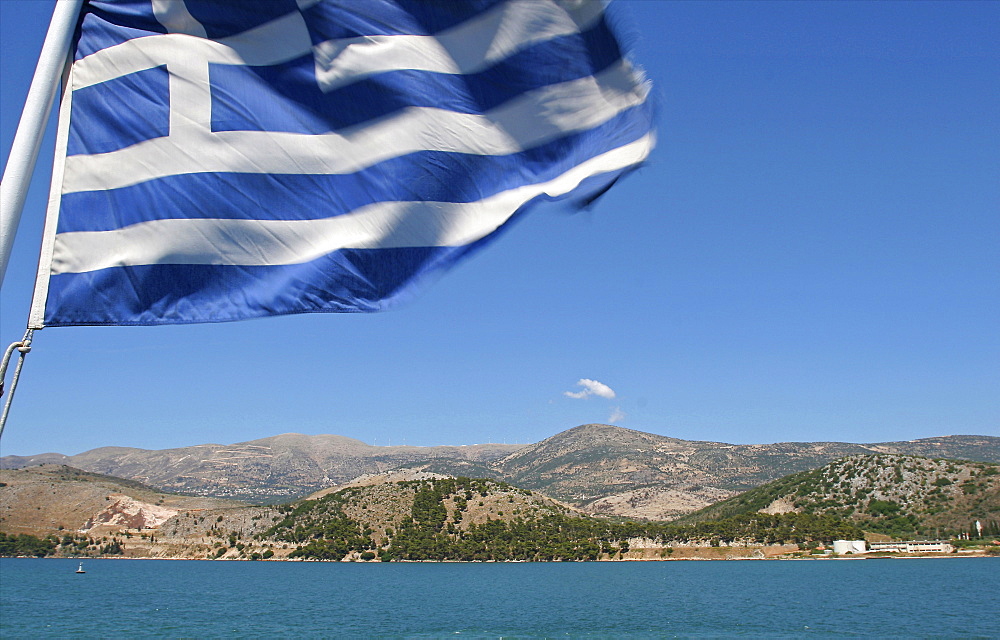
(477, 519)
(897, 495)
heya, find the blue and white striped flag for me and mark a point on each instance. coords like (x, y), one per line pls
(221, 160)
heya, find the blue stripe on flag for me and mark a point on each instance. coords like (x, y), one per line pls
(350, 18)
(347, 281)
(225, 18)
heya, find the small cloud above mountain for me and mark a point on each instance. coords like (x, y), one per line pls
(591, 388)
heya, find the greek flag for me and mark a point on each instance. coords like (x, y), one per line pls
(221, 160)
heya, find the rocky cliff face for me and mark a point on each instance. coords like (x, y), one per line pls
(128, 513)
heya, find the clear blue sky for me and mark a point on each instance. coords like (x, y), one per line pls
(812, 253)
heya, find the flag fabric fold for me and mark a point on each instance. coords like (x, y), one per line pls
(220, 161)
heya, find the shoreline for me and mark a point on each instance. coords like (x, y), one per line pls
(857, 557)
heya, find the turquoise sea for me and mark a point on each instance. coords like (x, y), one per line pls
(905, 598)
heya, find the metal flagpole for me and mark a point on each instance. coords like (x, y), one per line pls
(24, 152)
(30, 129)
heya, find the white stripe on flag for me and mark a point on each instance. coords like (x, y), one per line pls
(275, 242)
(467, 48)
(529, 120)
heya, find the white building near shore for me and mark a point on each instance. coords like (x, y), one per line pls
(840, 547)
(913, 546)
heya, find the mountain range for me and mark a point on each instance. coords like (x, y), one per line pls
(415, 515)
(597, 468)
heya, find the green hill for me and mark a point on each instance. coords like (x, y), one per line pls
(478, 519)
(896, 495)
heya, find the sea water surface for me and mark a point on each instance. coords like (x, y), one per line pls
(911, 598)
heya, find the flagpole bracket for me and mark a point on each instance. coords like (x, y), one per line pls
(23, 348)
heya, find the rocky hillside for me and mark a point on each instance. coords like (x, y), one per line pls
(896, 495)
(601, 469)
(615, 471)
(50, 499)
(610, 470)
(411, 516)
(268, 470)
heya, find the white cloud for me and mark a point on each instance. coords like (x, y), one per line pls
(591, 388)
(617, 415)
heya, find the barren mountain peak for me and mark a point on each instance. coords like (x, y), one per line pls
(325, 438)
